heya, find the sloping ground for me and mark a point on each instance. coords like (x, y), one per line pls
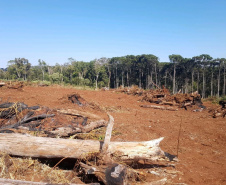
(202, 139)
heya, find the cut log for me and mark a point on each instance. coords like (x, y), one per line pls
(21, 182)
(159, 107)
(30, 146)
(2, 84)
(74, 112)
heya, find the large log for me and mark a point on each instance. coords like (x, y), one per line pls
(21, 182)
(74, 112)
(31, 146)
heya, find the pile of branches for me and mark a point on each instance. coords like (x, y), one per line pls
(221, 111)
(18, 117)
(163, 97)
(110, 162)
(134, 90)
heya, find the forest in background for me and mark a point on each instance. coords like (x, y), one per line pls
(200, 73)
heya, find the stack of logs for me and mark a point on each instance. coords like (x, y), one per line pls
(18, 117)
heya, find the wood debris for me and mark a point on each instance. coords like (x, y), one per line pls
(163, 97)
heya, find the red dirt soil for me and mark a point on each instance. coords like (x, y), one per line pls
(202, 145)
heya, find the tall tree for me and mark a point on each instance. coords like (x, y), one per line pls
(98, 64)
(42, 65)
(205, 61)
(175, 59)
(224, 65)
(21, 66)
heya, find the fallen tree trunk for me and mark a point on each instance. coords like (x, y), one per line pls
(30, 146)
(159, 107)
(21, 182)
(74, 112)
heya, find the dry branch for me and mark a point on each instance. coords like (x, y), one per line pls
(26, 120)
(159, 107)
(74, 112)
(93, 125)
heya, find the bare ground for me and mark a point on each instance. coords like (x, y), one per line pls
(202, 138)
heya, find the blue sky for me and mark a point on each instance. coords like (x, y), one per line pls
(55, 30)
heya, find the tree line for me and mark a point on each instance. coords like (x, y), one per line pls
(200, 73)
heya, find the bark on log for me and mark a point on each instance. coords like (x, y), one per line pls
(68, 131)
(74, 112)
(159, 107)
(2, 84)
(21, 182)
(105, 149)
(107, 138)
(30, 146)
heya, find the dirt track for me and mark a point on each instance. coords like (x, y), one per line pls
(202, 139)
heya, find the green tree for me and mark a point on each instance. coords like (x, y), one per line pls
(175, 59)
(98, 67)
(43, 67)
(21, 66)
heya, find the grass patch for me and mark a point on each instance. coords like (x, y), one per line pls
(214, 99)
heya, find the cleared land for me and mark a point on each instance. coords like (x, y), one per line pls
(202, 138)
